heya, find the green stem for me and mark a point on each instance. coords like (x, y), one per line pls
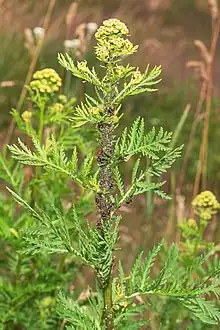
(68, 79)
(149, 195)
(107, 314)
(60, 266)
(171, 219)
(199, 238)
(41, 123)
(40, 136)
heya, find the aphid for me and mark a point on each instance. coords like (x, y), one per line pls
(99, 152)
(101, 125)
(129, 201)
(99, 156)
(111, 111)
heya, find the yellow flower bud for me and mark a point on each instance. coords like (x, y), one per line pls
(62, 98)
(26, 116)
(57, 107)
(115, 119)
(47, 301)
(192, 223)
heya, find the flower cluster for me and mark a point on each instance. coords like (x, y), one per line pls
(206, 205)
(111, 41)
(46, 81)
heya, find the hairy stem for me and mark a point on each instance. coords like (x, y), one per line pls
(104, 198)
(104, 204)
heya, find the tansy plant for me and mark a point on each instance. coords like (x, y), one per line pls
(27, 299)
(116, 301)
(205, 206)
(194, 250)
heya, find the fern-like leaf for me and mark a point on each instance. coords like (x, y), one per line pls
(80, 70)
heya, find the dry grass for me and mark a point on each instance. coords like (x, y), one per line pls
(204, 71)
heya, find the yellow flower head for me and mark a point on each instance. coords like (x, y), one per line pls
(206, 205)
(112, 42)
(46, 81)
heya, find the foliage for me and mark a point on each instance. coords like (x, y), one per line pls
(199, 259)
(30, 281)
(50, 228)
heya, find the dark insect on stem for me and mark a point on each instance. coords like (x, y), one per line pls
(101, 125)
(101, 157)
(129, 201)
(111, 111)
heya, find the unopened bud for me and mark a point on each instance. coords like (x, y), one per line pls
(26, 116)
(92, 27)
(72, 44)
(39, 32)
